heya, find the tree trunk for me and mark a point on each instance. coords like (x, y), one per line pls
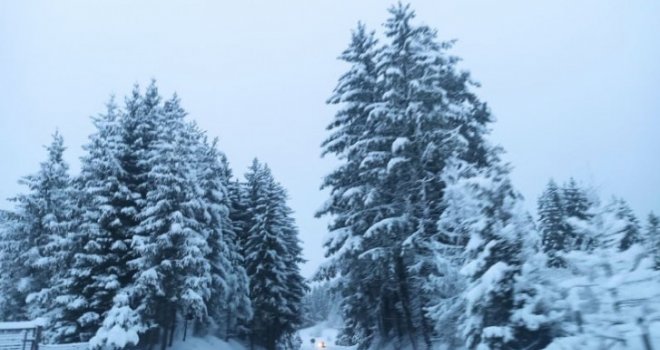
(173, 325)
(164, 337)
(405, 298)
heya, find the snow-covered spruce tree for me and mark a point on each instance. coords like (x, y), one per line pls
(652, 238)
(577, 209)
(12, 298)
(552, 223)
(139, 129)
(174, 275)
(405, 111)
(413, 123)
(616, 226)
(99, 266)
(272, 254)
(540, 307)
(229, 309)
(8, 303)
(37, 243)
(296, 283)
(238, 321)
(511, 301)
(631, 230)
(495, 316)
(454, 224)
(351, 186)
(564, 213)
(238, 213)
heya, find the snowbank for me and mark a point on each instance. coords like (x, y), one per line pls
(206, 343)
(22, 324)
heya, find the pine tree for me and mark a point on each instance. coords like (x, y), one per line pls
(7, 301)
(506, 297)
(413, 122)
(630, 230)
(495, 251)
(12, 299)
(454, 225)
(351, 186)
(139, 130)
(400, 122)
(99, 269)
(239, 298)
(577, 213)
(171, 245)
(575, 200)
(238, 213)
(552, 223)
(37, 245)
(272, 254)
(229, 304)
(653, 238)
(540, 304)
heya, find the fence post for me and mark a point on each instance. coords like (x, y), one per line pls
(37, 338)
(25, 335)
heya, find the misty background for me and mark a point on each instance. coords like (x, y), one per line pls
(573, 85)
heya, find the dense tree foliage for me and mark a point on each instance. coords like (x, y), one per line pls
(429, 243)
(148, 237)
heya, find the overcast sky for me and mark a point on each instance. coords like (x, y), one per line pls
(574, 84)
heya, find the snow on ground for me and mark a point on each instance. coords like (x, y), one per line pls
(74, 346)
(320, 333)
(21, 325)
(206, 343)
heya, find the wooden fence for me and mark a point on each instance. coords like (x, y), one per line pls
(27, 336)
(20, 335)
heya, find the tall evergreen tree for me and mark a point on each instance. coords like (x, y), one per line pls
(552, 223)
(652, 236)
(229, 304)
(140, 122)
(630, 230)
(99, 267)
(495, 228)
(615, 226)
(576, 202)
(12, 299)
(577, 208)
(400, 122)
(37, 243)
(170, 243)
(351, 187)
(272, 254)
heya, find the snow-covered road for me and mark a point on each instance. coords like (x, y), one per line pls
(321, 334)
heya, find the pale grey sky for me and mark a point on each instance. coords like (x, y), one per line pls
(573, 84)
